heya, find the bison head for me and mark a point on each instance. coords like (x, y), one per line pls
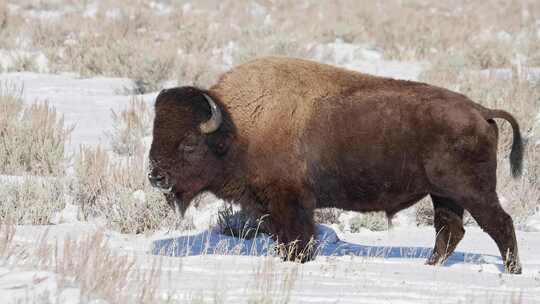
(190, 141)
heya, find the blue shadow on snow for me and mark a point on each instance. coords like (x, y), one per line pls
(212, 242)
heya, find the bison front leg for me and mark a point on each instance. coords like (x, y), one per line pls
(292, 227)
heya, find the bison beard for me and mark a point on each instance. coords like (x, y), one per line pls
(283, 136)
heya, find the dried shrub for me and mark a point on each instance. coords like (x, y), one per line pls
(239, 223)
(489, 53)
(7, 233)
(374, 221)
(3, 14)
(10, 26)
(200, 70)
(268, 42)
(424, 213)
(22, 62)
(90, 264)
(270, 285)
(327, 215)
(91, 178)
(87, 263)
(131, 58)
(118, 191)
(32, 138)
(127, 45)
(31, 200)
(130, 126)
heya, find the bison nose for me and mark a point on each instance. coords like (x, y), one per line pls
(155, 179)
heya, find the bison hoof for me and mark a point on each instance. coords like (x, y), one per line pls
(299, 258)
(513, 268)
(435, 259)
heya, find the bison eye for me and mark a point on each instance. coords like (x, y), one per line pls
(185, 148)
(189, 145)
(188, 148)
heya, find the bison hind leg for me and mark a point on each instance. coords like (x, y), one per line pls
(449, 230)
(492, 218)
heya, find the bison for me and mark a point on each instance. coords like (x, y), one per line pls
(284, 136)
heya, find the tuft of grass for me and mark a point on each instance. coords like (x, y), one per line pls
(272, 286)
(32, 138)
(327, 215)
(91, 178)
(22, 62)
(424, 213)
(239, 223)
(31, 200)
(87, 263)
(91, 265)
(130, 127)
(118, 191)
(200, 70)
(7, 233)
(375, 221)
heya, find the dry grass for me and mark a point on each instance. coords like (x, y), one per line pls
(239, 224)
(130, 127)
(273, 286)
(327, 215)
(91, 265)
(195, 43)
(99, 273)
(7, 232)
(118, 191)
(31, 200)
(124, 45)
(136, 40)
(32, 138)
(87, 264)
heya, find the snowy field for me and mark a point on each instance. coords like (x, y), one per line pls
(390, 270)
(108, 245)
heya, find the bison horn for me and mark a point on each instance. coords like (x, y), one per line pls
(215, 120)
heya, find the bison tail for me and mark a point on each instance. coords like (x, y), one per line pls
(516, 155)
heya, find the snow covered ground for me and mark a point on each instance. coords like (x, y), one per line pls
(393, 271)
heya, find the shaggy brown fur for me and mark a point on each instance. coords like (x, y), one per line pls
(299, 135)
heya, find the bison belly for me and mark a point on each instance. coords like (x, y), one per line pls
(366, 156)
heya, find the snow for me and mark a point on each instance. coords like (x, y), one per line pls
(85, 103)
(69, 214)
(34, 286)
(533, 223)
(389, 269)
(367, 60)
